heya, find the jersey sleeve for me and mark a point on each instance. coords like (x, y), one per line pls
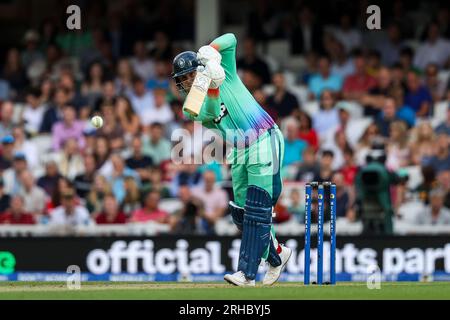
(210, 108)
(226, 45)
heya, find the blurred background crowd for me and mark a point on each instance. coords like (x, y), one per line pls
(333, 86)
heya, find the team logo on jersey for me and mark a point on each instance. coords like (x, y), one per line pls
(223, 113)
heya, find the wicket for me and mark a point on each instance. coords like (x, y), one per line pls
(320, 221)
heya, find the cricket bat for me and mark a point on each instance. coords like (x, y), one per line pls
(197, 94)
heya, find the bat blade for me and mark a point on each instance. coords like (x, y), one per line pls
(197, 94)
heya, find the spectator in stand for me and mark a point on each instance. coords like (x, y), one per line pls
(63, 184)
(155, 146)
(417, 96)
(7, 153)
(338, 146)
(251, 61)
(67, 80)
(162, 46)
(342, 65)
(6, 123)
(440, 161)
(214, 198)
(443, 180)
(373, 62)
(16, 213)
(404, 112)
(102, 151)
(391, 46)
(434, 85)
(327, 119)
(156, 183)
(111, 129)
(142, 65)
(350, 37)
(49, 180)
(306, 131)
(435, 213)
(92, 87)
(444, 127)
(118, 174)
(406, 59)
(189, 219)
(14, 73)
(69, 160)
(373, 101)
(284, 102)
(344, 207)
(33, 195)
(296, 207)
(139, 161)
(187, 174)
(434, 50)
(365, 143)
(251, 80)
(25, 146)
(422, 142)
(95, 198)
(326, 167)
(33, 112)
(161, 78)
(84, 181)
(68, 128)
(359, 83)
(5, 199)
(160, 112)
(54, 112)
(132, 199)
(128, 120)
(150, 210)
(307, 33)
(111, 213)
(108, 95)
(324, 79)
(349, 168)
(293, 146)
(69, 214)
(141, 99)
(387, 117)
(429, 183)
(309, 168)
(11, 176)
(398, 152)
(124, 78)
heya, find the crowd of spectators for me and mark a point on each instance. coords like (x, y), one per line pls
(53, 83)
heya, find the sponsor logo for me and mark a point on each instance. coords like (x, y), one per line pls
(7, 262)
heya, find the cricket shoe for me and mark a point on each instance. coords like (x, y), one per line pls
(239, 279)
(274, 273)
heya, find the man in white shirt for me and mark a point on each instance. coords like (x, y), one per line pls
(435, 213)
(141, 99)
(33, 195)
(214, 198)
(33, 112)
(142, 65)
(434, 50)
(69, 214)
(161, 112)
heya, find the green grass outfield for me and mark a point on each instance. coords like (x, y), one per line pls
(205, 291)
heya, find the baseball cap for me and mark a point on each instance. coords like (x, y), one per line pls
(8, 139)
(19, 156)
(343, 106)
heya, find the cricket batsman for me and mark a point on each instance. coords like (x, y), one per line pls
(256, 156)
